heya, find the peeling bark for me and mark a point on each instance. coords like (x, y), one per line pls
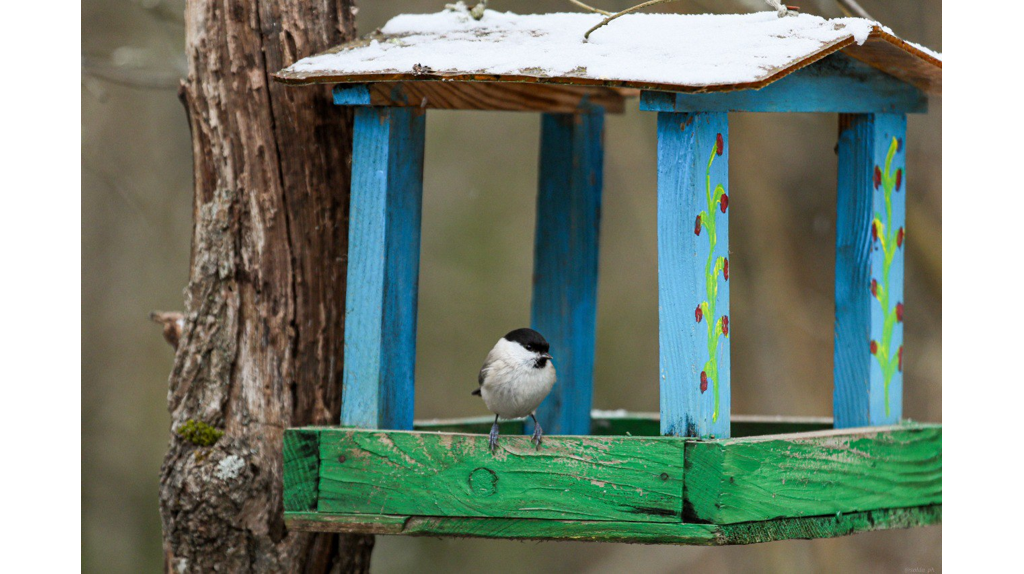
(261, 348)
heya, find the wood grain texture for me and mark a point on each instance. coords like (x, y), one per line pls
(483, 96)
(837, 84)
(261, 349)
(565, 256)
(630, 532)
(384, 252)
(813, 474)
(693, 290)
(301, 469)
(508, 528)
(426, 474)
(900, 59)
(871, 203)
(815, 527)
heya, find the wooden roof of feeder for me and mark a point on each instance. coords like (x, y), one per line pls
(546, 56)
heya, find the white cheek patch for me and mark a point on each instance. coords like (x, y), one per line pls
(514, 352)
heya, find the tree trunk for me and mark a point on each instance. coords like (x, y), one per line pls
(262, 343)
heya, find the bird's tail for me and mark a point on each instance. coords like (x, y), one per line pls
(476, 392)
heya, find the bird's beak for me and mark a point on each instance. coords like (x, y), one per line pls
(546, 356)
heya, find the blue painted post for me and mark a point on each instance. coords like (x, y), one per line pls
(565, 262)
(693, 273)
(869, 270)
(383, 268)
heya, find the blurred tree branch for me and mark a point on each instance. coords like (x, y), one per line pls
(852, 8)
(173, 322)
(130, 76)
(163, 11)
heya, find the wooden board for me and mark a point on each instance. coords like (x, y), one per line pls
(871, 206)
(565, 254)
(693, 273)
(813, 474)
(383, 267)
(632, 532)
(615, 423)
(731, 491)
(302, 459)
(900, 59)
(581, 478)
(612, 423)
(882, 51)
(509, 97)
(836, 84)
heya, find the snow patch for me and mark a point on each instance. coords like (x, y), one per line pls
(682, 49)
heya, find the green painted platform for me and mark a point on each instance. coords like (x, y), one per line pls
(776, 479)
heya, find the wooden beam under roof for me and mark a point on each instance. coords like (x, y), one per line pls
(513, 97)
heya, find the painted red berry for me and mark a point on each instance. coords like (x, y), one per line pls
(874, 287)
(899, 365)
(899, 238)
(703, 381)
(874, 231)
(725, 269)
(725, 325)
(874, 347)
(696, 228)
(719, 144)
(899, 178)
(878, 176)
(699, 314)
(725, 202)
(899, 312)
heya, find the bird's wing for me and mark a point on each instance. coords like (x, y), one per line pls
(479, 379)
(488, 363)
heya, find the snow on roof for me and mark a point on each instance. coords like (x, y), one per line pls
(666, 51)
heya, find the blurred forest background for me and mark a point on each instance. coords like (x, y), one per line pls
(481, 171)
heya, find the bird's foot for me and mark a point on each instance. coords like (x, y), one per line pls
(493, 442)
(538, 434)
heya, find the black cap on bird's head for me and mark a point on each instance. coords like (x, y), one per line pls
(531, 341)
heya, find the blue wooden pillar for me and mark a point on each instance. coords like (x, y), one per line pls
(383, 268)
(693, 273)
(565, 262)
(869, 270)
(869, 237)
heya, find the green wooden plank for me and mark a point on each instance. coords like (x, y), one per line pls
(427, 474)
(345, 523)
(815, 527)
(301, 469)
(759, 425)
(476, 425)
(813, 474)
(513, 528)
(633, 532)
(623, 423)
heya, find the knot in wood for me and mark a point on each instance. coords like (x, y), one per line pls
(483, 482)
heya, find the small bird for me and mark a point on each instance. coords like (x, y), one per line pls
(515, 378)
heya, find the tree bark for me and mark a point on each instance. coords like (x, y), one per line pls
(262, 343)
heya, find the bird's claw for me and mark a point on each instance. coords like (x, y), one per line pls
(538, 434)
(493, 439)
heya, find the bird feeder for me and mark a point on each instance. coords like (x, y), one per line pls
(693, 473)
